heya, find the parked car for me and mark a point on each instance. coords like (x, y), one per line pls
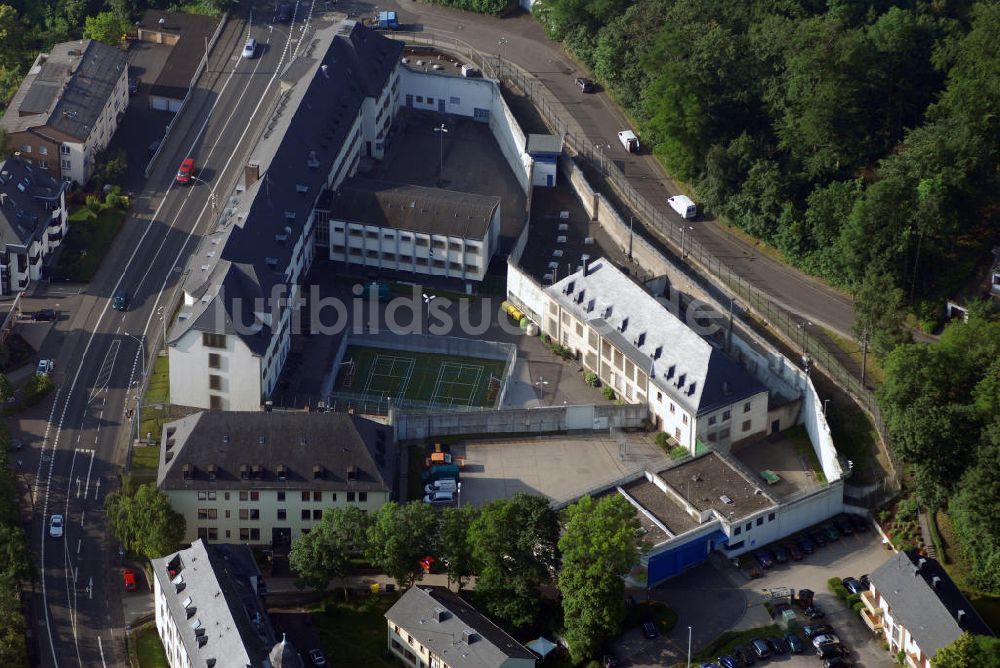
(865, 581)
(745, 656)
(793, 551)
(780, 555)
(133, 85)
(777, 645)
(585, 84)
(805, 545)
(185, 174)
(836, 662)
(317, 658)
(825, 639)
(609, 661)
(443, 485)
(814, 630)
(814, 612)
(128, 577)
(56, 526)
(729, 661)
(120, 301)
(760, 648)
(843, 525)
(153, 148)
(817, 537)
(439, 498)
(764, 558)
(649, 629)
(284, 13)
(830, 651)
(859, 522)
(250, 48)
(45, 315)
(45, 367)
(852, 585)
(794, 642)
(830, 532)
(709, 664)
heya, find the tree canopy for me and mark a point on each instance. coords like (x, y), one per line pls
(399, 537)
(969, 651)
(324, 553)
(143, 520)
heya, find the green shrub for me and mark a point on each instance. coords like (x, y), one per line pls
(591, 378)
(853, 599)
(662, 439)
(93, 204)
(858, 606)
(678, 452)
(35, 389)
(608, 393)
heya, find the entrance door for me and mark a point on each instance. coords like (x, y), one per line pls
(441, 105)
(281, 537)
(550, 180)
(409, 100)
(776, 426)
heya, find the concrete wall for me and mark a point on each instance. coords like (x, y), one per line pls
(511, 140)
(421, 424)
(461, 96)
(239, 370)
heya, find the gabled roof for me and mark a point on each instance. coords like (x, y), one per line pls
(414, 208)
(28, 198)
(689, 368)
(452, 629)
(279, 450)
(211, 595)
(926, 601)
(67, 88)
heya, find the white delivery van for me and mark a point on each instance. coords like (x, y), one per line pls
(471, 71)
(683, 205)
(629, 141)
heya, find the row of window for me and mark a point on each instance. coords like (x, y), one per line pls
(212, 533)
(355, 254)
(749, 525)
(315, 497)
(253, 514)
(405, 237)
(727, 414)
(43, 150)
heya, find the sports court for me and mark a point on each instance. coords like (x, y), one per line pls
(378, 374)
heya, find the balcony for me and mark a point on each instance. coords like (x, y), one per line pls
(871, 614)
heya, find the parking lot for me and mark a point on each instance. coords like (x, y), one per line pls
(717, 597)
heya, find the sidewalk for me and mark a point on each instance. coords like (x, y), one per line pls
(286, 585)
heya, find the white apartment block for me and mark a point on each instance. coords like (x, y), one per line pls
(67, 108)
(233, 331)
(413, 229)
(637, 346)
(264, 478)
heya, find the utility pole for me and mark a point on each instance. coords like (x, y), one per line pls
(864, 356)
(442, 131)
(630, 238)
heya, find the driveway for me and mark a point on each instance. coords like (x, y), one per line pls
(716, 597)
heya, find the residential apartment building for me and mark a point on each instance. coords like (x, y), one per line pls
(209, 611)
(265, 478)
(233, 331)
(917, 608)
(67, 108)
(410, 228)
(647, 354)
(433, 627)
(33, 222)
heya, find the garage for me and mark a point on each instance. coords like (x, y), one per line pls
(676, 559)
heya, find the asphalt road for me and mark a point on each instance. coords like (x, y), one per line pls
(79, 438)
(522, 40)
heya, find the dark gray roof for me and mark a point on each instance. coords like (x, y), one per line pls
(691, 370)
(419, 612)
(352, 453)
(67, 89)
(544, 144)
(413, 208)
(191, 30)
(924, 599)
(28, 198)
(212, 595)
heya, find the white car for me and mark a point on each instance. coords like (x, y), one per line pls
(825, 639)
(56, 526)
(45, 367)
(443, 485)
(250, 48)
(439, 498)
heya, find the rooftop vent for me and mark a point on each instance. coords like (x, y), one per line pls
(281, 472)
(244, 471)
(440, 614)
(726, 500)
(301, 189)
(317, 471)
(935, 581)
(186, 602)
(469, 636)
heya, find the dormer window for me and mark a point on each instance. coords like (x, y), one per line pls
(211, 471)
(317, 472)
(281, 472)
(187, 471)
(244, 471)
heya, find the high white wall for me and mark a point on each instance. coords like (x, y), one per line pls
(239, 370)
(511, 139)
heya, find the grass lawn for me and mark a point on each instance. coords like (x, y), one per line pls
(800, 439)
(873, 370)
(987, 605)
(157, 394)
(147, 648)
(853, 432)
(88, 240)
(354, 631)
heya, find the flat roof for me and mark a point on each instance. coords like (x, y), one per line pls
(778, 453)
(661, 506)
(192, 31)
(703, 481)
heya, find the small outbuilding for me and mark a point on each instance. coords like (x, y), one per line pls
(544, 151)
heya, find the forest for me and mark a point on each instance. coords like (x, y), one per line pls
(858, 138)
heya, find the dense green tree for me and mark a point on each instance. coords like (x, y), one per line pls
(456, 550)
(143, 521)
(969, 651)
(973, 511)
(105, 27)
(514, 544)
(880, 308)
(6, 388)
(14, 554)
(600, 543)
(324, 553)
(399, 537)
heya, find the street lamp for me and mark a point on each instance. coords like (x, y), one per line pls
(502, 42)
(442, 131)
(427, 300)
(684, 229)
(689, 647)
(211, 192)
(540, 384)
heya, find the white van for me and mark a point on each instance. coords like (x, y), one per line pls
(443, 485)
(683, 205)
(629, 141)
(471, 71)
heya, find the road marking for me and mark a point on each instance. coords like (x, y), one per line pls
(107, 368)
(100, 646)
(89, 469)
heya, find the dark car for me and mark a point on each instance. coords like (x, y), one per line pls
(609, 661)
(865, 581)
(780, 555)
(843, 525)
(777, 645)
(805, 545)
(794, 642)
(760, 648)
(814, 630)
(284, 13)
(45, 315)
(585, 84)
(836, 662)
(793, 551)
(649, 629)
(133, 85)
(853, 585)
(153, 148)
(814, 612)
(728, 661)
(830, 531)
(764, 558)
(745, 656)
(830, 651)
(120, 301)
(709, 664)
(859, 523)
(817, 537)
(317, 658)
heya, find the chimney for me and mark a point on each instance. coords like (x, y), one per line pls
(585, 263)
(251, 173)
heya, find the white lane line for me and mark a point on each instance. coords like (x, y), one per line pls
(100, 646)
(68, 559)
(86, 489)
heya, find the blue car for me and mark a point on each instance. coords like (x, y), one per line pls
(805, 545)
(728, 661)
(764, 558)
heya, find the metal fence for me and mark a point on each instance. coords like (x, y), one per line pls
(655, 219)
